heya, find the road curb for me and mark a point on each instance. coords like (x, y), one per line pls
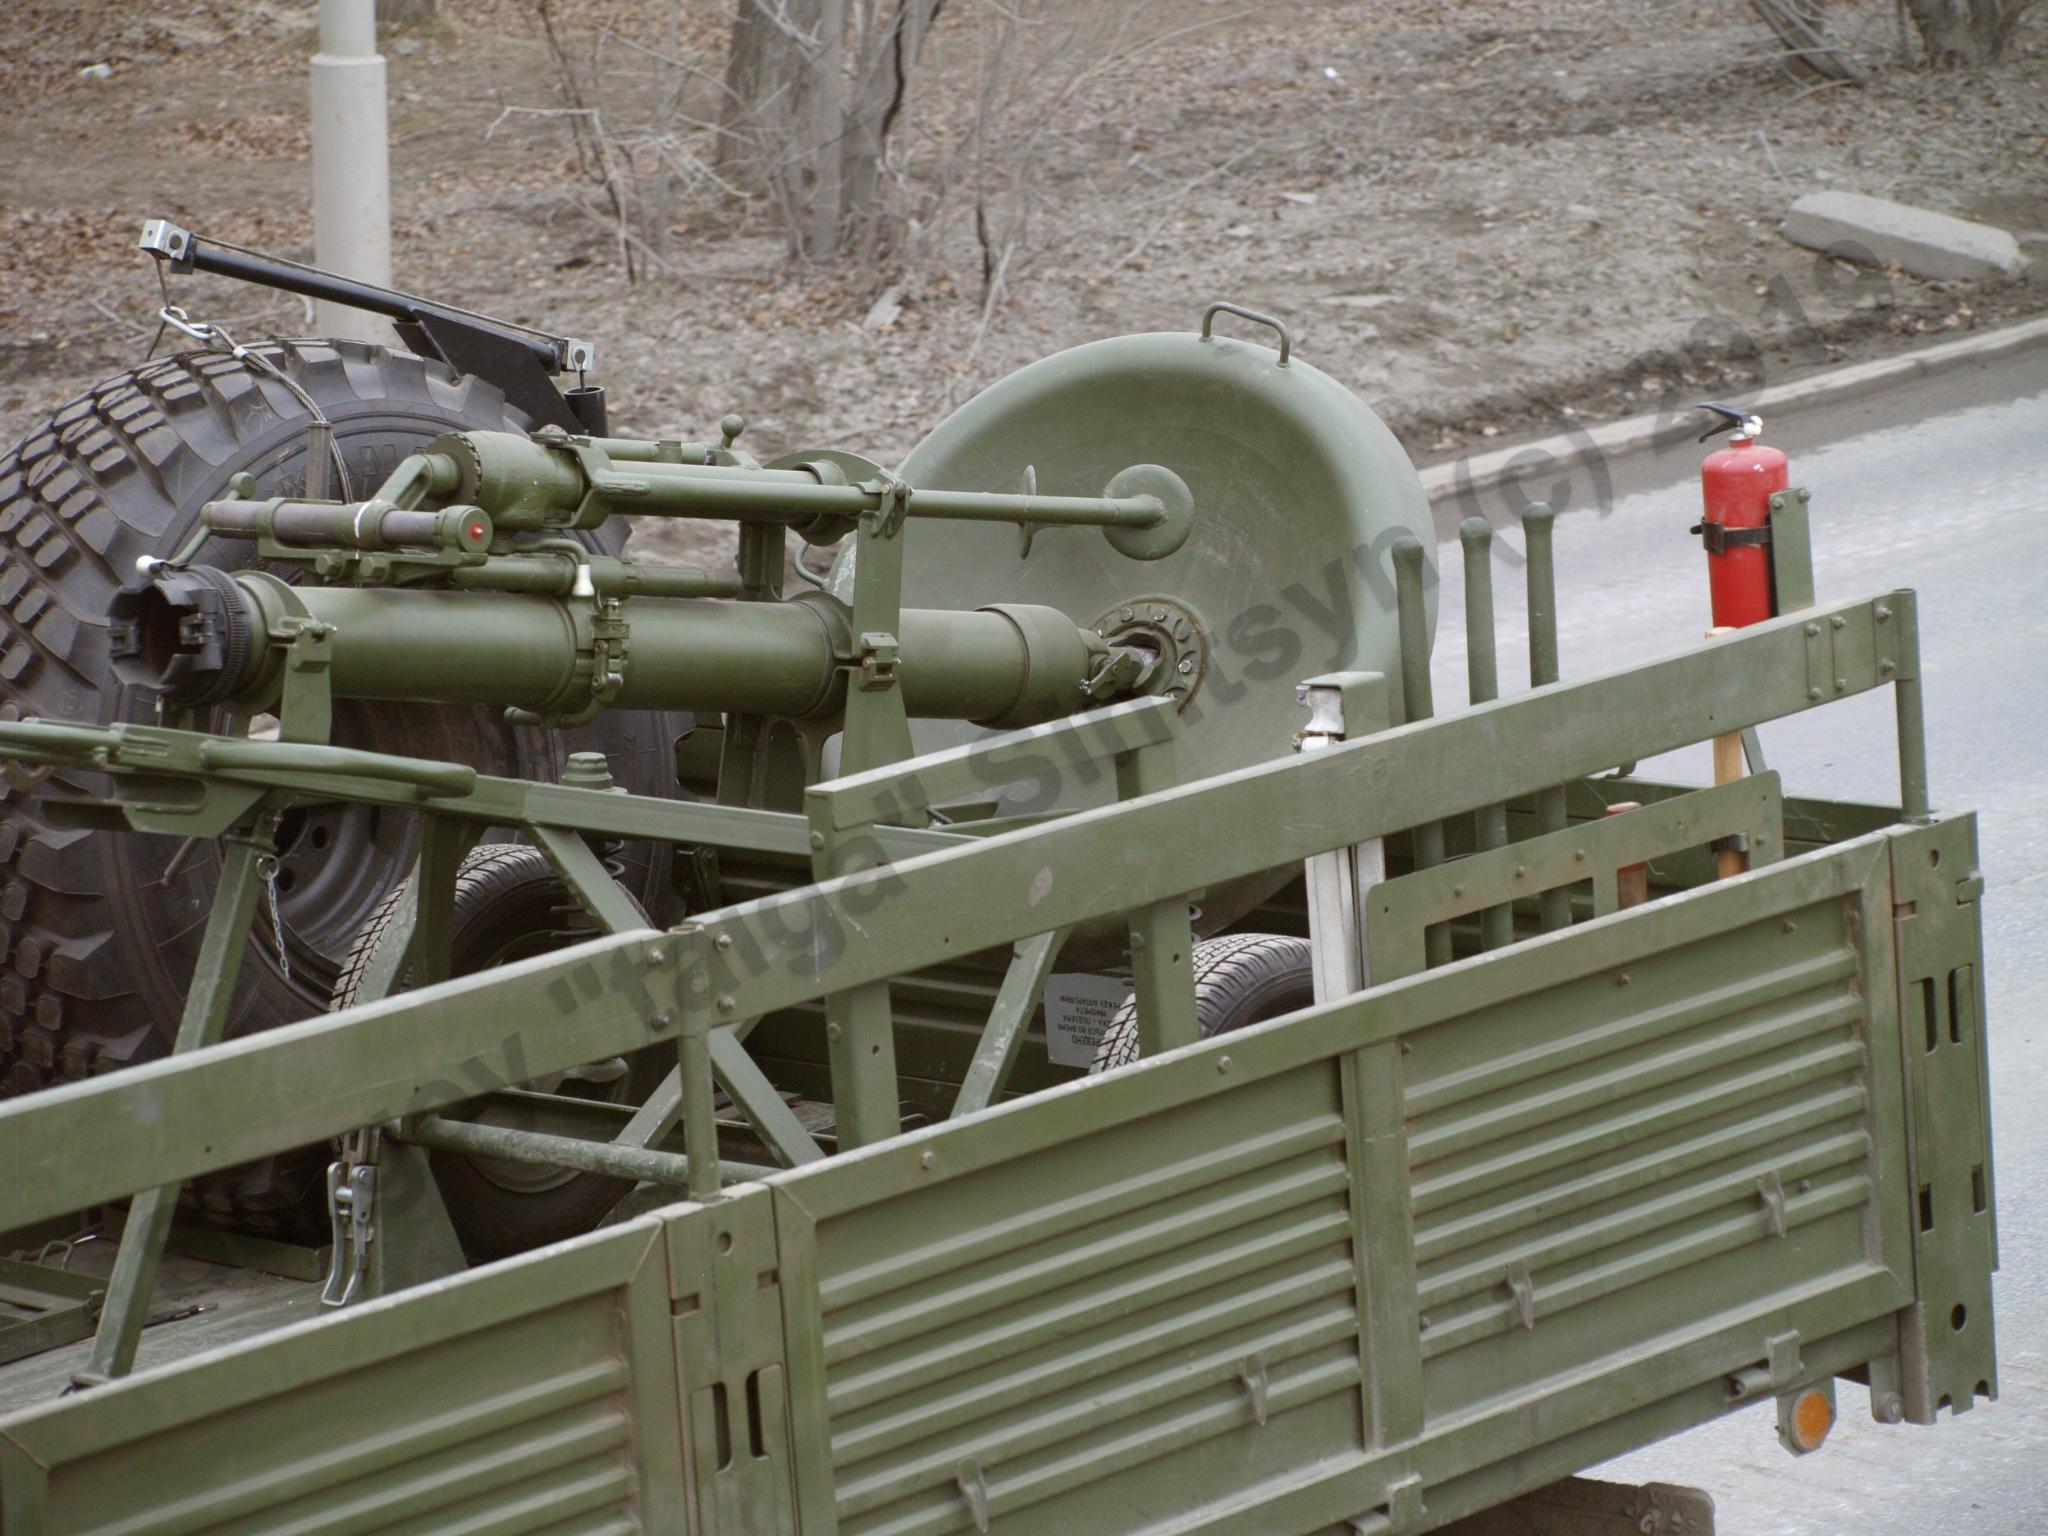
(1478, 474)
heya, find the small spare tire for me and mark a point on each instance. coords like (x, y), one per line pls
(1240, 979)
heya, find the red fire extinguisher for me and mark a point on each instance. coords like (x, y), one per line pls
(1738, 483)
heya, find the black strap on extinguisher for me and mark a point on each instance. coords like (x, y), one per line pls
(1719, 539)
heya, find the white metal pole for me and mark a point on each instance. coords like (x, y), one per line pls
(351, 162)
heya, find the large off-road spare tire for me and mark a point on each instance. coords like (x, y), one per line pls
(99, 930)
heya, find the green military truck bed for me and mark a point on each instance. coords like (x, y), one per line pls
(1431, 1243)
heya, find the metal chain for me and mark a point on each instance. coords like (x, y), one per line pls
(284, 963)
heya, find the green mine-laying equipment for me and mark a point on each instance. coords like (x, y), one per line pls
(1462, 1127)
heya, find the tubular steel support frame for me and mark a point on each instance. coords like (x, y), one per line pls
(148, 1228)
(935, 894)
(731, 1293)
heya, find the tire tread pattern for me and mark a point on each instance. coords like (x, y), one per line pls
(1240, 979)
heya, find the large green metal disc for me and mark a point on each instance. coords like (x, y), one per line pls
(1299, 492)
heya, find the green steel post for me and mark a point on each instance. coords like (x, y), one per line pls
(1555, 907)
(1914, 804)
(1482, 669)
(860, 1037)
(700, 1123)
(860, 1026)
(444, 842)
(249, 848)
(860, 1032)
(1162, 936)
(1417, 703)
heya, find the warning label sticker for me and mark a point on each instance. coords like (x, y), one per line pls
(1078, 1005)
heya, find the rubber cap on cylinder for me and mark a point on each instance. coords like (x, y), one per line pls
(187, 635)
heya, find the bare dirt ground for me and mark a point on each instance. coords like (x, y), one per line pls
(1484, 215)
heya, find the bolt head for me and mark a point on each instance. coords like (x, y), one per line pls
(722, 942)
(727, 1003)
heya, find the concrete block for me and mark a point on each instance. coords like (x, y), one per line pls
(1924, 243)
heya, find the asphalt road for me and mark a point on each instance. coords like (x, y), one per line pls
(1954, 505)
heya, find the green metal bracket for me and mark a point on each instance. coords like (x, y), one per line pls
(305, 713)
(726, 1288)
(860, 1023)
(1947, 1354)
(444, 843)
(877, 726)
(1791, 550)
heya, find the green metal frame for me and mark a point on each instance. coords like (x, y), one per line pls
(917, 908)
(1324, 1270)
(1272, 1261)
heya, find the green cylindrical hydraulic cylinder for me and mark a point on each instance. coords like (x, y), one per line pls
(1009, 665)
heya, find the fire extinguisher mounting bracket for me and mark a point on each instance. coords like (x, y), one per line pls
(1719, 538)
